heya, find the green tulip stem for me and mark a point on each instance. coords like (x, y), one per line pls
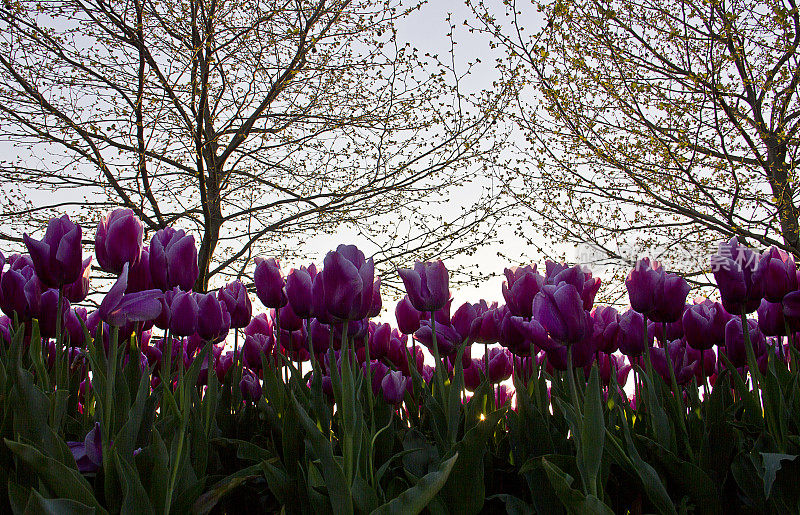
(166, 361)
(59, 340)
(371, 403)
(752, 364)
(571, 380)
(348, 406)
(438, 371)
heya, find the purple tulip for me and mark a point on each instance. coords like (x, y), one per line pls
(250, 387)
(393, 387)
(377, 302)
(320, 336)
(771, 320)
(427, 285)
(521, 336)
(704, 324)
(778, 273)
(379, 340)
(631, 334)
(139, 278)
(645, 283)
(605, 328)
(500, 365)
(577, 276)
(289, 319)
(269, 283)
(298, 291)
(48, 313)
(347, 282)
(791, 306)
(655, 293)
(682, 365)
(260, 324)
(21, 292)
(740, 287)
(462, 321)
(408, 318)
(173, 260)
(735, 342)
(521, 286)
(119, 308)
(235, 297)
(671, 300)
(183, 314)
(88, 454)
(73, 326)
(485, 327)
(213, 319)
(559, 309)
(378, 371)
(118, 240)
(57, 257)
(254, 346)
(473, 374)
(78, 290)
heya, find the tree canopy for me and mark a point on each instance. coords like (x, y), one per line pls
(663, 123)
(252, 122)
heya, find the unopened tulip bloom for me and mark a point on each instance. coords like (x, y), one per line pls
(254, 346)
(78, 290)
(559, 309)
(235, 297)
(57, 257)
(379, 340)
(173, 260)
(139, 278)
(118, 240)
(605, 328)
(735, 341)
(778, 272)
(48, 313)
(348, 279)
(520, 287)
(771, 320)
(576, 275)
(522, 337)
(270, 283)
(298, 291)
(20, 292)
(393, 387)
(183, 314)
(250, 387)
(500, 365)
(408, 318)
(645, 283)
(377, 302)
(734, 268)
(213, 319)
(427, 285)
(631, 334)
(704, 324)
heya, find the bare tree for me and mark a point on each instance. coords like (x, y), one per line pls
(663, 123)
(255, 122)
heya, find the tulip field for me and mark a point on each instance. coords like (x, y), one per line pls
(165, 400)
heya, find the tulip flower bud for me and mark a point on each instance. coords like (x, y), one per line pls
(78, 290)
(559, 309)
(57, 257)
(427, 285)
(778, 273)
(118, 240)
(213, 319)
(734, 268)
(408, 318)
(236, 300)
(521, 286)
(48, 313)
(183, 318)
(250, 387)
(298, 292)
(173, 260)
(393, 386)
(269, 283)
